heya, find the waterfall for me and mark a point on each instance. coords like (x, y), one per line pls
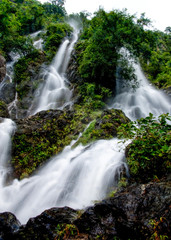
(76, 177)
(73, 178)
(140, 102)
(37, 43)
(54, 93)
(7, 127)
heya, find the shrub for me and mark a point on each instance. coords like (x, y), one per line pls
(149, 154)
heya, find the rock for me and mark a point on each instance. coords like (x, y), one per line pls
(46, 224)
(7, 93)
(28, 75)
(72, 71)
(41, 136)
(104, 127)
(3, 110)
(2, 67)
(136, 212)
(8, 225)
(132, 213)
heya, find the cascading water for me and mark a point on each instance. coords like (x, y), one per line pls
(142, 101)
(7, 127)
(54, 94)
(38, 43)
(75, 177)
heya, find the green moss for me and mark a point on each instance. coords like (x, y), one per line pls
(47, 133)
(3, 110)
(103, 127)
(25, 71)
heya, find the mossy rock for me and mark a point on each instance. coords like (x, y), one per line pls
(26, 71)
(3, 110)
(41, 136)
(104, 127)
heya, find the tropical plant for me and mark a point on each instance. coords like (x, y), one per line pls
(149, 153)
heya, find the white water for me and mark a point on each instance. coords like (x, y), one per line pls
(140, 102)
(38, 44)
(73, 178)
(7, 127)
(54, 93)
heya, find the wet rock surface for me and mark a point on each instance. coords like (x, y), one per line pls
(135, 212)
(8, 225)
(7, 93)
(41, 136)
(45, 225)
(129, 213)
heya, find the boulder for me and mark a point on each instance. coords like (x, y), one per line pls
(46, 225)
(2, 67)
(8, 225)
(7, 93)
(137, 212)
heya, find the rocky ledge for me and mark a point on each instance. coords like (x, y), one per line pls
(136, 212)
(41, 136)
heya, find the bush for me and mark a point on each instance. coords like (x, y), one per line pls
(56, 32)
(148, 156)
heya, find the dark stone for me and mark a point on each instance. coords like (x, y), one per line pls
(8, 225)
(125, 216)
(128, 214)
(45, 225)
(7, 93)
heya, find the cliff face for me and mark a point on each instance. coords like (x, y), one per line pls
(2, 67)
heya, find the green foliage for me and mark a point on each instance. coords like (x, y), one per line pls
(66, 231)
(99, 50)
(93, 96)
(103, 127)
(30, 16)
(24, 70)
(149, 154)
(21, 17)
(156, 229)
(156, 59)
(54, 36)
